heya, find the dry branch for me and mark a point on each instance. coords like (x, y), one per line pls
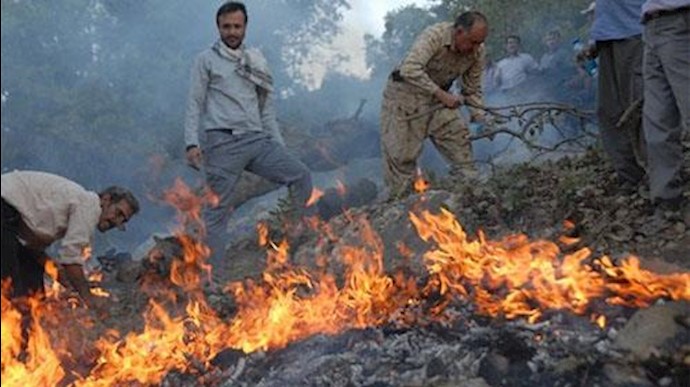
(531, 118)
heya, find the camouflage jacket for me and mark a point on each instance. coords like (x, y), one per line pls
(432, 63)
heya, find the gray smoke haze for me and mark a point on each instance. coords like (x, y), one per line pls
(95, 90)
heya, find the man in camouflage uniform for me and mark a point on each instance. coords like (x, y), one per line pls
(443, 53)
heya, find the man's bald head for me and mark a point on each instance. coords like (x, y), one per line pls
(471, 29)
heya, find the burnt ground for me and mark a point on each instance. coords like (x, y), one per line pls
(533, 199)
(563, 349)
(568, 350)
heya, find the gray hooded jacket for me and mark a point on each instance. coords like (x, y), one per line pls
(230, 89)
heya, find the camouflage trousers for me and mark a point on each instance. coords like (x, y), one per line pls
(402, 141)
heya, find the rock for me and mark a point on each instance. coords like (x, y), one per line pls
(494, 368)
(650, 329)
(436, 367)
(569, 364)
(129, 271)
(227, 358)
(622, 375)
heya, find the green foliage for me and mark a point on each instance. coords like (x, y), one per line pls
(402, 28)
(531, 19)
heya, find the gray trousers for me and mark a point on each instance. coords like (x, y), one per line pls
(666, 100)
(620, 84)
(226, 155)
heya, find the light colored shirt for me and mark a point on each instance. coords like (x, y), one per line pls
(221, 96)
(433, 63)
(616, 19)
(556, 60)
(663, 5)
(53, 208)
(513, 70)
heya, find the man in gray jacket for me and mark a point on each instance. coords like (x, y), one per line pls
(231, 118)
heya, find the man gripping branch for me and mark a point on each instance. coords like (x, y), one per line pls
(443, 53)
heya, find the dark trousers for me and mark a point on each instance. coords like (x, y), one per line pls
(21, 265)
(666, 107)
(620, 84)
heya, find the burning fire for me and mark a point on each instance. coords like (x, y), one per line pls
(316, 194)
(28, 360)
(420, 184)
(512, 277)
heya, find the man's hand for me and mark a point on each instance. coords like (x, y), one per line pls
(75, 275)
(194, 157)
(588, 52)
(484, 120)
(449, 100)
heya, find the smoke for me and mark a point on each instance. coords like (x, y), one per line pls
(96, 90)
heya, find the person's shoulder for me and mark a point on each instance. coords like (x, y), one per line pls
(255, 53)
(257, 57)
(47, 179)
(434, 35)
(37, 176)
(438, 29)
(440, 26)
(205, 53)
(203, 57)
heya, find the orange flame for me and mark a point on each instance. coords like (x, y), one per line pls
(600, 320)
(421, 185)
(40, 365)
(53, 286)
(510, 277)
(262, 233)
(515, 277)
(189, 205)
(316, 194)
(86, 252)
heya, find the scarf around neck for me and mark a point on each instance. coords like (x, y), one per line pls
(250, 65)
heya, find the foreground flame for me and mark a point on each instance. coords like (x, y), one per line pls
(514, 277)
(420, 184)
(38, 365)
(511, 277)
(316, 194)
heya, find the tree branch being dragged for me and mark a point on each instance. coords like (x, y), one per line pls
(531, 118)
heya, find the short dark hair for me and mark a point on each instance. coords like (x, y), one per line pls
(466, 20)
(118, 193)
(230, 7)
(516, 37)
